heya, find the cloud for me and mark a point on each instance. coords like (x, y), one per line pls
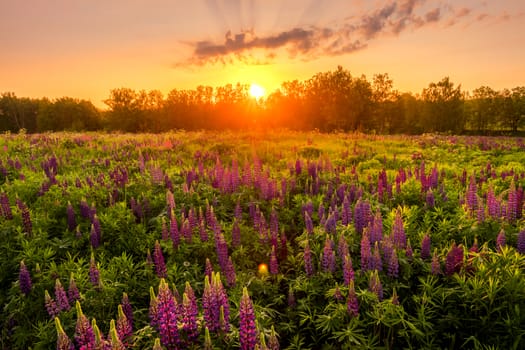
(354, 33)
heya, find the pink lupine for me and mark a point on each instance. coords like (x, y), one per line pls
(61, 296)
(123, 326)
(26, 217)
(174, 231)
(348, 270)
(393, 265)
(51, 306)
(352, 302)
(84, 335)
(247, 327)
(167, 317)
(189, 314)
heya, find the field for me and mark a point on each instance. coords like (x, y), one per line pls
(250, 240)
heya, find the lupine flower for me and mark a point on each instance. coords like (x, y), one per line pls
(84, 336)
(95, 232)
(165, 234)
(398, 231)
(393, 265)
(377, 263)
(230, 273)
(342, 247)
(435, 266)
(348, 271)
(337, 293)
(274, 266)
(222, 302)
(472, 198)
(521, 242)
(213, 299)
(94, 273)
(366, 254)
(167, 316)
(189, 314)
(153, 311)
(128, 310)
(247, 328)
(328, 258)
(512, 203)
(454, 260)
(283, 251)
(114, 340)
(408, 251)
(425, 246)
(156, 344)
(71, 221)
(51, 306)
(186, 231)
(61, 296)
(5, 207)
(174, 230)
(352, 302)
(500, 240)
(430, 200)
(308, 223)
(273, 341)
(395, 298)
(72, 291)
(63, 341)
(24, 279)
(375, 285)
(208, 270)
(308, 266)
(26, 217)
(123, 326)
(158, 261)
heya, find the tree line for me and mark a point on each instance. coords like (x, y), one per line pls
(328, 101)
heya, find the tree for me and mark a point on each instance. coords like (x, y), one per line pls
(125, 112)
(67, 113)
(444, 107)
(484, 108)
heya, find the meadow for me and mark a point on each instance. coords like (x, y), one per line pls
(277, 240)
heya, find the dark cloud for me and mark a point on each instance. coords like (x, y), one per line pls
(310, 42)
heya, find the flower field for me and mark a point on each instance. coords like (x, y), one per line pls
(245, 240)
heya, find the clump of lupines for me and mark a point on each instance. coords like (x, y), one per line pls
(158, 261)
(24, 279)
(214, 299)
(247, 327)
(84, 335)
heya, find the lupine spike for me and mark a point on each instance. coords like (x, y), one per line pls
(247, 327)
(153, 308)
(308, 266)
(521, 242)
(51, 306)
(61, 296)
(167, 316)
(273, 340)
(114, 340)
(84, 335)
(274, 266)
(72, 292)
(158, 261)
(63, 341)
(100, 343)
(24, 279)
(425, 246)
(156, 345)
(435, 266)
(208, 345)
(352, 302)
(124, 328)
(94, 273)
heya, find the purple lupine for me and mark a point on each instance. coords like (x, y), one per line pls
(222, 303)
(158, 261)
(512, 203)
(274, 265)
(94, 273)
(221, 248)
(501, 240)
(393, 265)
(376, 262)
(236, 233)
(376, 228)
(472, 198)
(167, 316)
(435, 265)
(123, 326)
(24, 279)
(51, 305)
(5, 207)
(328, 258)
(375, 285)
(307, 255)
(283, 248)
(337, 293)
(26, 217)
(71, 220)
(209, 306)
(114, 341)
(454, 260)
(174, 230)
(95, 235)
(366, 253)
(408, 251)
(308, 223)
(72, 291)
(342, 247)
(247, 327)
(348, 270)
(425, 246)
(346, 212)
(208, 269)
(521, 242)
(352, 304)
(165, 233)
(126, 307)
(430, 200)
(398, 231)
(84, 335)
(189, 314)
(229, 272)
(61, 296)
(202, 231)
(63, 341)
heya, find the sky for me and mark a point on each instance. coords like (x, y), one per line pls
(83, 49)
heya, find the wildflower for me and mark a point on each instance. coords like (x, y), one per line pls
(156, 344)
(51, 306)
(435, 266)
(115, 342)
(521, 242)
(61, 296)
(5, 207)
(174, 230)
(167, 316)
(126, 307)
(95, 232)
(393, 265)
(348, 271)
(342, 247)
(375, 285)
(123, 326)
(454, 260)
(376, 262)
(500, 240)
(425, 246)
(247, 327)
(472, 199)
(63, 341)
(328, 258)
(72, 291)
(352, 302)
(153, 308)
(398, 231)
(71, 221)
(158, 261)
(24, 279)
(274, 267)
(189, 314)
(207, 339)
(94, 273)
(236, 233)
(308, 260)
(230, 273)
(26, 217)
(366, 254)
(84, 336)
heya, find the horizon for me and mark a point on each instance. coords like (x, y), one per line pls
(84, 50)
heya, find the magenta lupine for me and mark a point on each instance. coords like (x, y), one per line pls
(189, 314)
(375, 285)
(24, 279)
(229, 272)
(471, 197)
(348, 270)
(236, 233)
(5, 207)
(501, 240)
(377, 262)
(71, 220)
(123, 326)
(435, 265)
(454, 260)
(26, 217)
(115, 343)
(425, 246)
(307, 256)
(398, 231)
(126, 307)
(393, 265)
(366, 253)
(63, 341)
(352, 304)
(167, 317)
(274, 265)
(208, 269)
(512, 203)
(94, 273)
(222, 302)
(51, 305)
(72, 291)
(247, 327)
(174, 231)
(328, 256)
(209, 306)
(61, 296)
(521, 242)
(158, 261)
(84, 335)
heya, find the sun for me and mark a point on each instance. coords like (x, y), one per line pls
(257, 91)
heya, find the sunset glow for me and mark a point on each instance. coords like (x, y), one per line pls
(257, 91)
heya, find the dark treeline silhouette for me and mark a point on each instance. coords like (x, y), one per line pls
(333, 100)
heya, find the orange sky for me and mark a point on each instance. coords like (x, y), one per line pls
(83, 48)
